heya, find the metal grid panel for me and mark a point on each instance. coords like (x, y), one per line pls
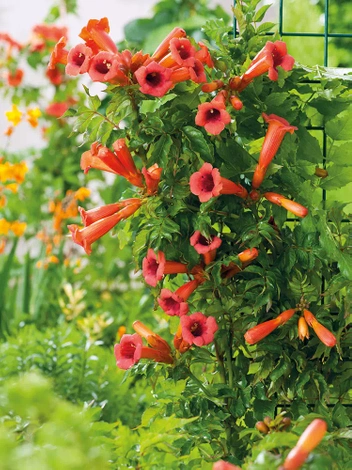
(326, 35)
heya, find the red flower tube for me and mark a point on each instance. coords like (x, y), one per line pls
(325, 335)
(180, 344)
(96, 36)
(245, 257)
(152, 177)
(120, 162)
(204, 56)
(207, 183)
(291, 206)
(212, 86)
(259, 332)
(175, 303)
(124, 157)
(59, 54)
(88, 235)
(163, 47)
(154, 267)
(278, 127)
(93, 215)
(155, 341)
(308, 441)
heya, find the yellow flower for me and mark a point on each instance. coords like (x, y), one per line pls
(19, 171)
(33, 115)
(13, 187)
(14, 115)
(53, 259)
(4, 227)
(18, 228)
(82, 193)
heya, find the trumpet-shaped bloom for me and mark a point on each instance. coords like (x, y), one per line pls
(308, 441)
(154, 267)
(59, 54)
(273, 55)
(154, 79)
(213, 117)
(96, 36)
(182, 51)
(174, 303)
(163, 47)
(101, 67)
(204, 56)
(91, 233)
(197, 73)
(119, 162)
(202, 244)
(129, 351)
(152, 177)
(259, 332)
(98, 213)
(78, 60)
(198, 329)
(246, 257)
(15, 78)
(278, 127)
(207, 183)
(291, 206)
(155, 341)
(325, 335)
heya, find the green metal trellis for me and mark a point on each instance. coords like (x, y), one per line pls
(326, 35)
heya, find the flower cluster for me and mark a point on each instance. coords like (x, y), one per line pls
(261, 331)
(175, 60)
(11, 176)
(99, 221)
(15, 116)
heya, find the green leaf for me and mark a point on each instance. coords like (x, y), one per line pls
(340, 128)
(339, 176)
(261, 13)
(160, 150)
(198, 143)
(308, 147)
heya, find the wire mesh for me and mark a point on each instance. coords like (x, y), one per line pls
(326, 36)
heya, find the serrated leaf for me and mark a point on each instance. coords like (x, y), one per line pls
(340, 128)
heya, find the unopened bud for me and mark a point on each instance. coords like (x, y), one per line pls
(321, 172)
(262, 427)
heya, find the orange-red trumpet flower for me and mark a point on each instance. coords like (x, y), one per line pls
(259, 332)
(323, 333)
